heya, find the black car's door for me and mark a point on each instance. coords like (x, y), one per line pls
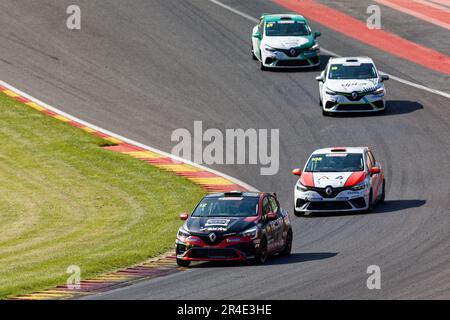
(278, 224)
(268, 226)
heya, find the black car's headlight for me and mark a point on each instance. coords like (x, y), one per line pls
(360, 186)
(182, 233)
(251, 233)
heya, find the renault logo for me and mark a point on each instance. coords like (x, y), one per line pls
(328, 191)
(354, 94)
(292, 51)
(212, 236)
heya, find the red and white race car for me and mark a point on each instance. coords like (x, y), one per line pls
(339, 179)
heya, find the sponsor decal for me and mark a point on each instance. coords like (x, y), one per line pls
(209, 229)
(217, 222)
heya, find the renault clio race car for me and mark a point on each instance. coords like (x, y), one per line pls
(285, 41)
(234, 226)
(339, 179)
(351, 85)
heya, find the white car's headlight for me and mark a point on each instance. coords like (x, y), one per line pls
(330, 92)
(380, 90)
(252, 233)
(300, 187)
(360, 186)
(269, 48)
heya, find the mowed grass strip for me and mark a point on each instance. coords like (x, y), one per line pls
(66, 201)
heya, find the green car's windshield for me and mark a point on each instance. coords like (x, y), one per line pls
(336, 162)
(361, 71)
(287, 28)
(227, 207)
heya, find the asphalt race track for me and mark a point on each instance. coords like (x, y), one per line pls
(144, 68)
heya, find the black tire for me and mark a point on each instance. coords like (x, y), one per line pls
(383, 194)
(183, 263)
(253, 55)
(325, 113)
(263, 68)
(370, 208)
(298, 213)
(320, 102)
(288, 245)
(263, 253)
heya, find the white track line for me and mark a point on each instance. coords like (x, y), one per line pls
(130, 141)
(401, 80)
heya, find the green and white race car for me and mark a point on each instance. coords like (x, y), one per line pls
(285, 41)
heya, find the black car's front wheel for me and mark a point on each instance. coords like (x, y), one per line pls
(288, 244)
(263, 252)
(183, 263)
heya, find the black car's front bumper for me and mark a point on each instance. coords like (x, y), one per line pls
(243, 250)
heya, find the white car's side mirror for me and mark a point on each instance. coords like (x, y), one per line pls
(319, 78)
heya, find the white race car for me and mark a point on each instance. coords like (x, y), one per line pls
(285, 41)
(351, 84)
(339, 179)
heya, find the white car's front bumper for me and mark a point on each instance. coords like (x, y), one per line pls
(342, 199)
(340, 103)
(279, 59)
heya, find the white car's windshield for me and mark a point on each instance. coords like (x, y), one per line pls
(336, 162)
(361, 71)
(227, 207)
(286, 28)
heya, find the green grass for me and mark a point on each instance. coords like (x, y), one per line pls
(66, 201)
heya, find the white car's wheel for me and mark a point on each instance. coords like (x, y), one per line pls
(263, 68)
(298, 213)
(370, 208)
(253, 54)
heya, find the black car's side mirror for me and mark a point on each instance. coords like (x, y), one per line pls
(384, 77)
(271, 216)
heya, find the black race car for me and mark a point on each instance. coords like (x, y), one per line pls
(234, 226)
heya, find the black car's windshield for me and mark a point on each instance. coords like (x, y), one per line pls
(361, 71)
(286, 28)
(227, 207)
(336, 162)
